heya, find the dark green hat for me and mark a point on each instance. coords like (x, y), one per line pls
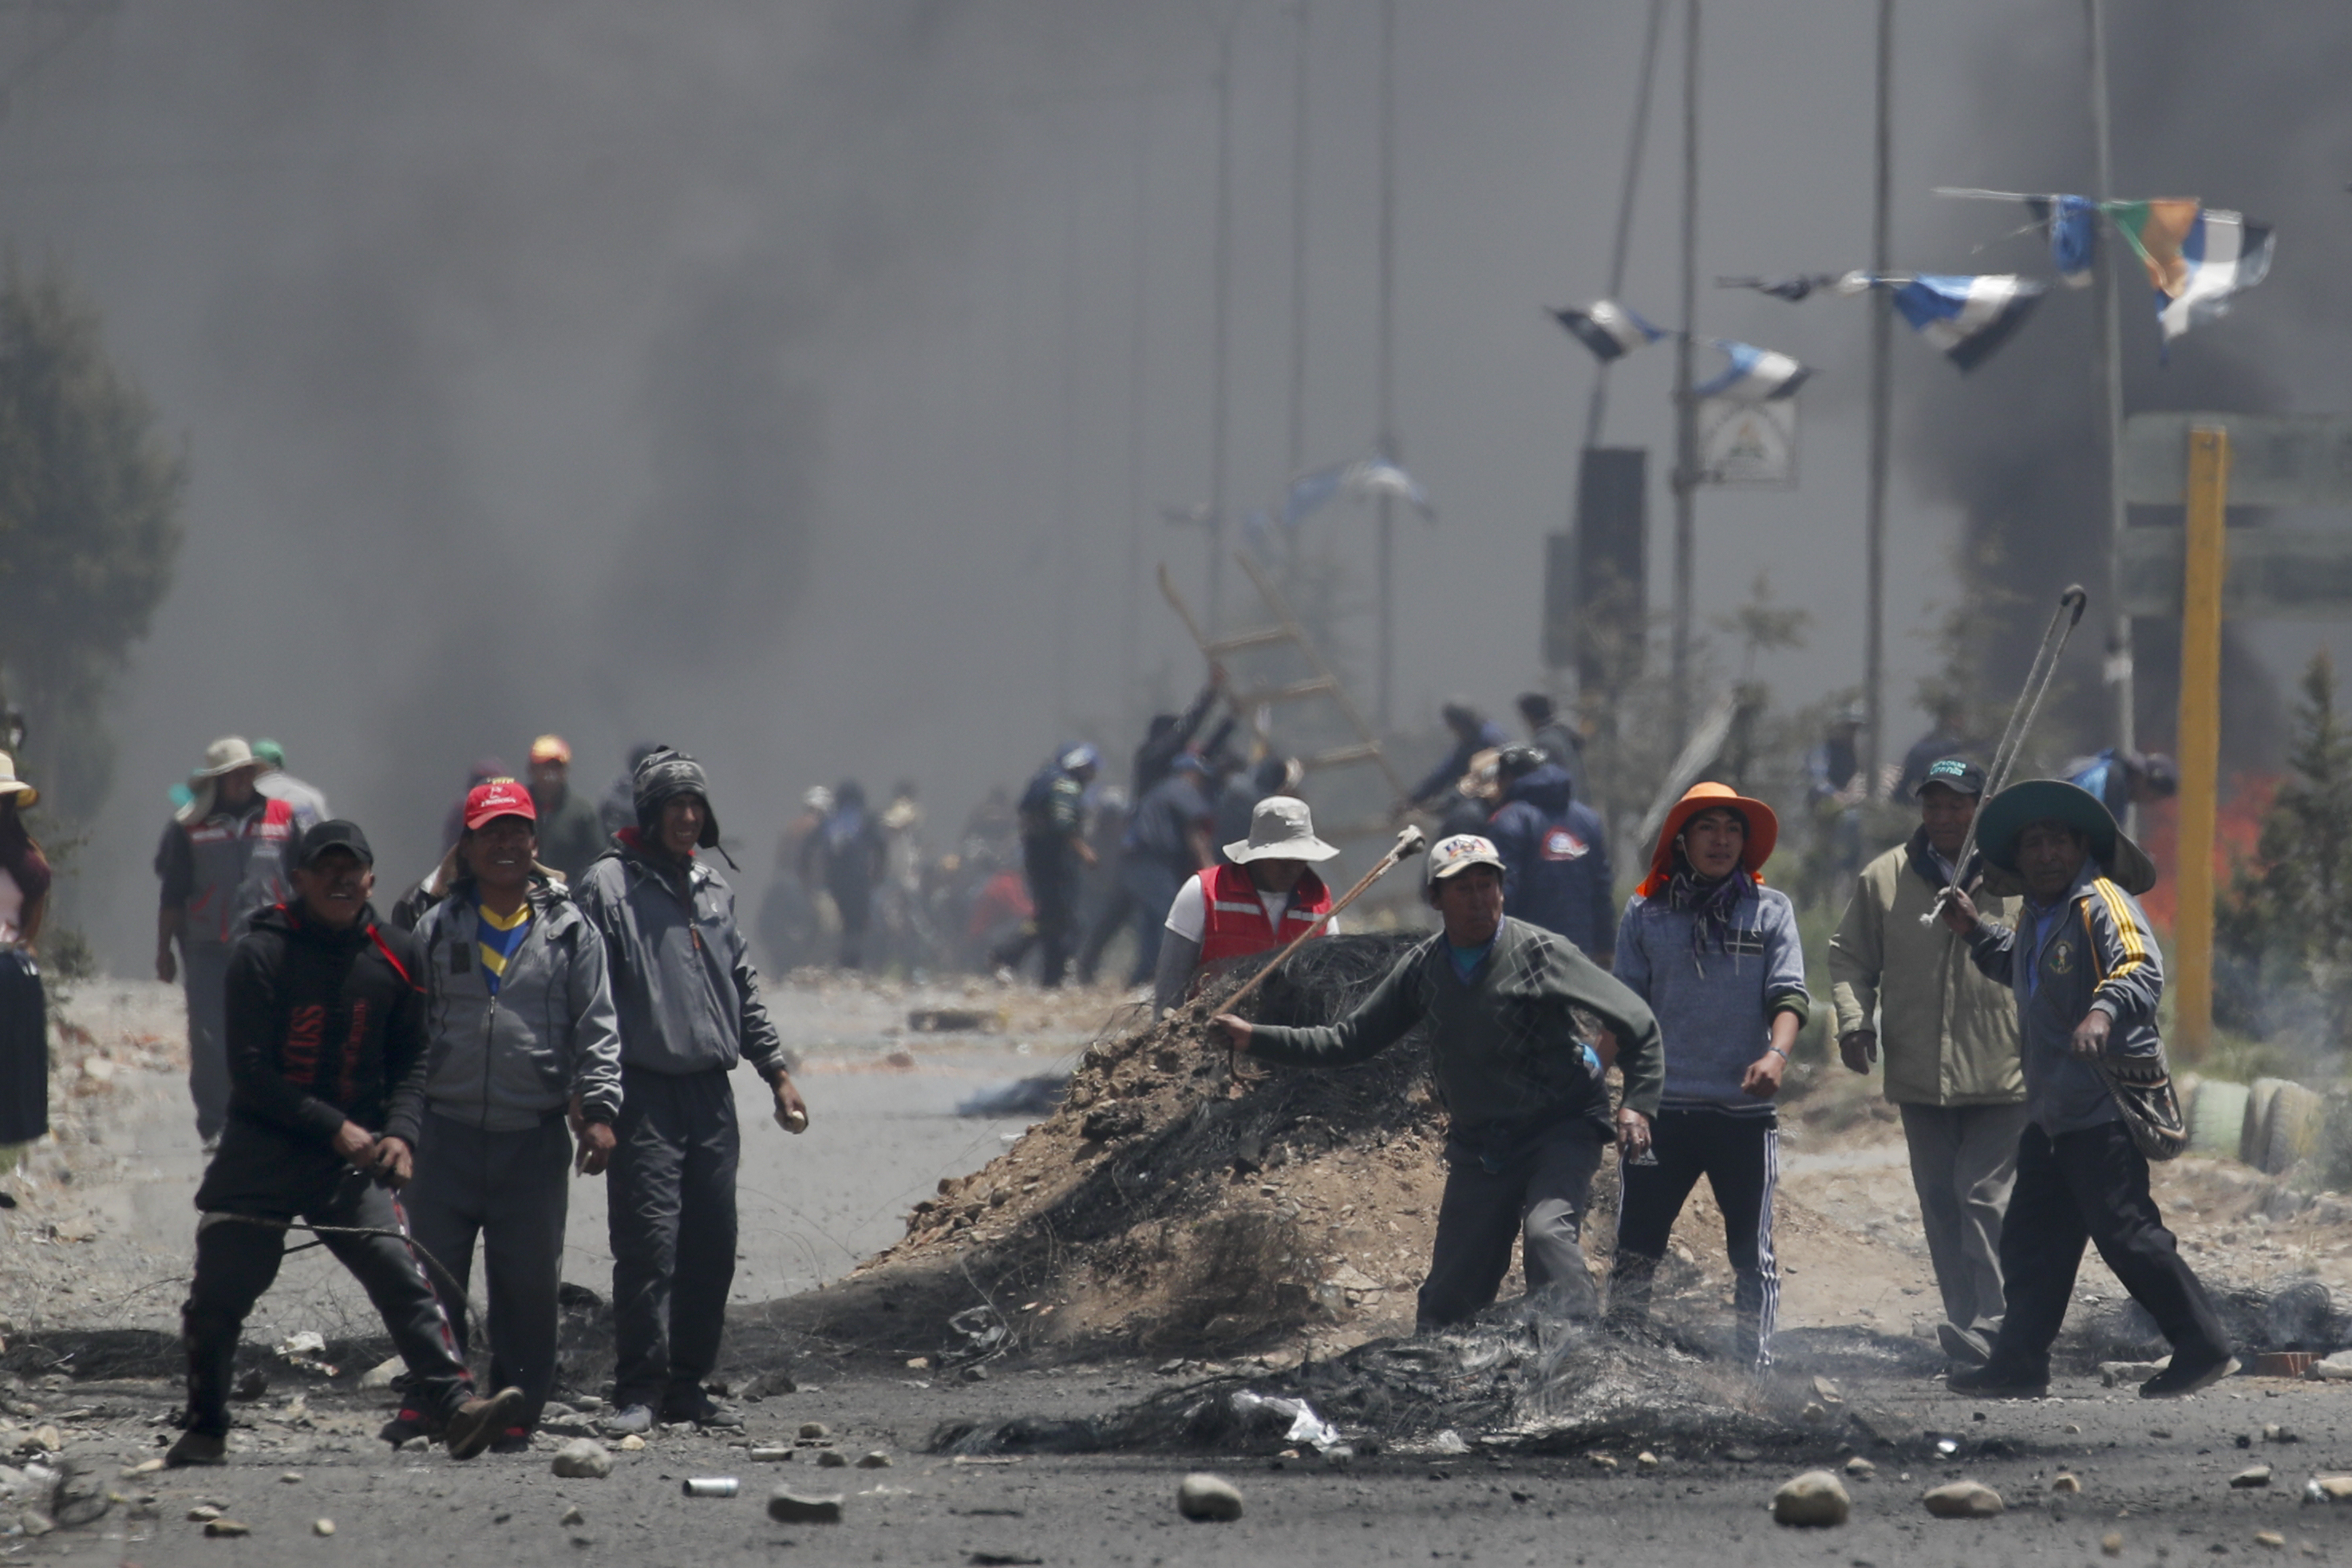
(2002, 821)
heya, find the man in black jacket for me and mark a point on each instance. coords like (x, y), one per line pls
(326, 1070)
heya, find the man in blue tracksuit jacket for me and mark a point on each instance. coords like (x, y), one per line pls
(1555, 853)
(2087, 975)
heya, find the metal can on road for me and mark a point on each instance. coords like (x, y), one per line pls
(710, 1486)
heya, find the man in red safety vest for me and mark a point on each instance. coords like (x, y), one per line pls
(224, 859)
(1263, 900)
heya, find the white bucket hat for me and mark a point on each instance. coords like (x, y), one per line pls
(12, 785)
(225, 754)
(1281, 829)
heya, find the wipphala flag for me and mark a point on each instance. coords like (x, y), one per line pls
(1608, 330)
(1966, 316)
(1754, 374)
(2198, 257)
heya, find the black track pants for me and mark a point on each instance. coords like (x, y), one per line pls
(2091, 1186)
(672, 1223)
(1740, 1157)
(1534, 1189)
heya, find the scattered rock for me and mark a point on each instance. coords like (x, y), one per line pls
(1963, 1500)
(1826, 1391)
(1206, 1497)
(2337, 1368)
(2072, 1428)
(1645, 1461)
(2066, 1483)
(2269, 1538)
(290, 1478)
(876, 1460)
(1604, 1463)
(323, 1527)
(1860, 1468)
(2251, 1476)
(632, 1443)
(33, 1522)
(380, 1374)
(143, 1468)
(833, 1459)
(2112, 1543)
(585, 1458)
(47, 1438)
(1815, 1412)
(202, 1513)
(772, 1456)
(814, 1431)
(572, 1516)
(793, 1508)
(2328, 1489)
(1815, 1499)
(2274, 1433)
(2115, 1373)
(217, 1528)
(251, 1387)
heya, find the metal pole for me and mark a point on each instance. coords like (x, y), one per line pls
(1882, 399)
(2201, 736)
(1686, 479)
(1222, 309)
(1066, 483)
(1297, 451)
(1386, 685)
(1137, 343)
(1596, 408)
(2109, 279)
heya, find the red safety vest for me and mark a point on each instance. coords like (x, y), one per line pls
(1236, 923)
(240, 864)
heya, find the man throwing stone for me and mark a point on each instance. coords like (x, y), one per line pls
(327, 1086)
(689, 1008)
(1526, 1107)
(2086, 975)
(1950, 1039)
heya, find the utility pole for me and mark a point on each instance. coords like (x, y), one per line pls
(1222, 309)
(1297, 451)
(1136, 381)
(2109, 282)
(1685, 485)
(1596, 407)
(1386, 372)
(1882, 414)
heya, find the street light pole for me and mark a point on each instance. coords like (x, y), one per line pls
(2109, 281)
(1387, 363)
(1882, 413)
(1221, 310)
(1686, 483)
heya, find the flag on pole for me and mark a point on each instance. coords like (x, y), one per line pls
(2197, 258)
(2072, 224)
(1310, 493)
(1754, 374)
(1378, 476)
(1967, 317)
(1608, 330)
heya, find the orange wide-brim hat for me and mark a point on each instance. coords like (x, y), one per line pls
(1763, 831)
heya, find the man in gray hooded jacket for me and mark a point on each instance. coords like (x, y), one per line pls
(688, 1000)
(520, 1038)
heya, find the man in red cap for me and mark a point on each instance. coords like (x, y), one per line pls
(520, 1040)
(1715, 954)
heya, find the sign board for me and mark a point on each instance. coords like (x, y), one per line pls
(2276, 574)
(1750, 445)
(2275, 460)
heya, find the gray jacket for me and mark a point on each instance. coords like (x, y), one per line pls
(681, 973)
(505, 1063)
(2093, 949)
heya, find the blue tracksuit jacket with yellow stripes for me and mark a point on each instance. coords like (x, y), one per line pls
(2093, 948)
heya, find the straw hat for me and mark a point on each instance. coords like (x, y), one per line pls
(1281, 829)
(1763, 831)
(12, 785)
(225, 754)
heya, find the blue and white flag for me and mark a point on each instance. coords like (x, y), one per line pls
(1608, 330)
(2072, 224)
(1967, 317)
(1310, 493)
(1754, 374)
(2222, 254)
(1378, 476)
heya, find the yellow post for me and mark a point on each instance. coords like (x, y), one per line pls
(2201, 739)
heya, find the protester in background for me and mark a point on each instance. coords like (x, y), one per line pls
(1525, 1103)
(2086, 975)
(1474, 732)
(1549, 734)
(1835, 789)
(570, 830)
(519, 1037)
(1053, 849)
(23, 1011)
(1168, 841)
(2122, 779)
(1945, 737)
(1555, 853)
(689, 1003)
(309, 804)
(1238, 796)
(1108, 812)
(845, 855)
(1715, 954)
(905, 924)
(326, 1032)
(790, 924)
(1263, 895)
(222, 860)
(618, 808)
(1950, 1039)
(1169, 735)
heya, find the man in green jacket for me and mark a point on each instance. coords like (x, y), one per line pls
(1950, 1039)
(1527, 1105)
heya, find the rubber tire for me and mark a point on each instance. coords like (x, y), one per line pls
(2217, 1114)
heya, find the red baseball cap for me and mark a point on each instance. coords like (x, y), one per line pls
(498, 798)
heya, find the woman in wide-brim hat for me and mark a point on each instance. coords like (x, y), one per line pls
(1715, 953)
(23, 1013)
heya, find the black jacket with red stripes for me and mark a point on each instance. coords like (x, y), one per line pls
(325, 1027)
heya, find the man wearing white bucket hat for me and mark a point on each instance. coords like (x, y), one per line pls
(1262, 900)
(223, 860)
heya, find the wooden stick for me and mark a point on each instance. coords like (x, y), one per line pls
(1409, 842)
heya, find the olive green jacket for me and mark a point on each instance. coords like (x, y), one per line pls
(1948, 1034)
